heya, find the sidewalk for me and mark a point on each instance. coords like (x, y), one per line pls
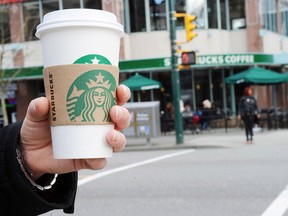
(215, 138)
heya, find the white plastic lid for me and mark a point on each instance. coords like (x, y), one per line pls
(79, 17)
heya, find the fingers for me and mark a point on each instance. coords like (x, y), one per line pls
(38, 109)
(123, 94)
(117, 140)
(94, 164)
(120, 116)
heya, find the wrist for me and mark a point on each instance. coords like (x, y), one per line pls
(31, 177)
(33, 173)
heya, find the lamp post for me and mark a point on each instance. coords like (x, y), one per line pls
(175, 76)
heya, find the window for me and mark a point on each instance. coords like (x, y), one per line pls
(269, 15)
(223, 13)
(137, 15)
(33, 11)
(4, 25)
(93, 4)
(71, 4)
(212, 14)
(284, 17)
(158, 15)
(49, 6)
(180, 8)
(237, 14)
(31, 19)
(145, 15)
(197, 8)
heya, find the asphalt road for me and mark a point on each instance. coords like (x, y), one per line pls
(239, 181)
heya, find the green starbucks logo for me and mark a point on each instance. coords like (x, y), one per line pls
(93, 59)
(90, 97)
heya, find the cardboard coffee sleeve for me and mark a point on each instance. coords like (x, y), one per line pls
(81, 94)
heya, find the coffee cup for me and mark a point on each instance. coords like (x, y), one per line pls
(80, 49)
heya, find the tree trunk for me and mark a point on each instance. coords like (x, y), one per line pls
(4, 111)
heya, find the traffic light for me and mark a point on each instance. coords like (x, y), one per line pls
(190, 26)
(188, 58)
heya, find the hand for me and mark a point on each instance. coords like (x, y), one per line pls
(36, 144)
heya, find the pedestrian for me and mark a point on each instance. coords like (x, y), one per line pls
(248, 112)
(206, 116)
(32, 182)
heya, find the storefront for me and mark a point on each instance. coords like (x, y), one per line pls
(204, 80)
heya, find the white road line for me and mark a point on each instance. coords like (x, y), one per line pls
(279, 206)
(130, 166)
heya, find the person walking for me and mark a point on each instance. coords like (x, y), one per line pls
(248, 112)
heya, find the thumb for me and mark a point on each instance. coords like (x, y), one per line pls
(38, 109)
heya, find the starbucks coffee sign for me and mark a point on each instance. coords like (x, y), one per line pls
(225, 59)
(234, 59)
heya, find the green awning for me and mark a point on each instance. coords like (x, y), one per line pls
(23, 73)
(139, 82)
(257, 75)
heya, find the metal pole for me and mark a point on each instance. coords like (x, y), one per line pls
(193, 90)
(175, 76)
(211, 95)
(224, 100)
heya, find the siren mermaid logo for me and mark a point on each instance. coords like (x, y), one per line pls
(89, 94)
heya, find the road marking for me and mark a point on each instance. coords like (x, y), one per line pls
(130, 166)
(279, 206)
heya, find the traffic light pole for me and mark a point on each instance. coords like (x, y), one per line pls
(175, 75)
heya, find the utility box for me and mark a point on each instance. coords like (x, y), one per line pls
(144, 119)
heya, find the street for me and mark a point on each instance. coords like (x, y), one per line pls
(241, 180)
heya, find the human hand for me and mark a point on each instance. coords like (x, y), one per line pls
(36, 144)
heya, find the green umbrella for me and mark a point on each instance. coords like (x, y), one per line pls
(257, 75)
(139, 82)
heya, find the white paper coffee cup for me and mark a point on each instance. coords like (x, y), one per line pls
(80, 36)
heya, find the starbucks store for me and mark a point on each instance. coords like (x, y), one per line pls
(204, 80)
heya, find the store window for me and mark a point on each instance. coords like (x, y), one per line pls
(186, 87)
(4, 25)
(158, 15)
(202, 89)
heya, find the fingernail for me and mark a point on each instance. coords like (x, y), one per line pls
(125, 90)
(117, 112)
(115, 137)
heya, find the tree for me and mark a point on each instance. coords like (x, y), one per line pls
(8, 54)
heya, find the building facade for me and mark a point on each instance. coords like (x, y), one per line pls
(233, 35)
